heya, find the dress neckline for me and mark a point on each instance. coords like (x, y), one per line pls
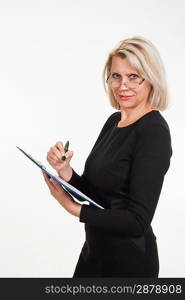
(133, 123)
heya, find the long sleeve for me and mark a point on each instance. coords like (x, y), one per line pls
(151, 160)
(79, 181)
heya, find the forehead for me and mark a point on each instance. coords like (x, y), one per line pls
(122, 65)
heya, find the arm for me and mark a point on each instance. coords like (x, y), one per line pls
(78, 181)
(150, 163)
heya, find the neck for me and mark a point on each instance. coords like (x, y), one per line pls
(131, 114)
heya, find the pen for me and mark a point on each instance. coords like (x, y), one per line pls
(65, 149)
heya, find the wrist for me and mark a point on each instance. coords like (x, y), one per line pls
(66, 174)
(76, 210)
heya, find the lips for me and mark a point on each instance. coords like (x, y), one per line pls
(125, 97)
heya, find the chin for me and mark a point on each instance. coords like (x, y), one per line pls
(126, 104)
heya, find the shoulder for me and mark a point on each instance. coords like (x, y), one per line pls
(152, 135)
(112, 119)
(153, 124)
(107, 125)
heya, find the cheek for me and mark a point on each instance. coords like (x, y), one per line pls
(147, 89)
(143, 93)
(114, 93)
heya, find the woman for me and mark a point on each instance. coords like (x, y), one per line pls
(125, 170)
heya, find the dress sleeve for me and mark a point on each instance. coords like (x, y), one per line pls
(151, 161)
(79, 181)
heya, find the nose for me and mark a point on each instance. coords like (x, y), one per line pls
(123, 84)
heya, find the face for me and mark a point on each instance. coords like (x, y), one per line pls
(126, 97)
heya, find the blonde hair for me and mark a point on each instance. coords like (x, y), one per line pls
(144, 56)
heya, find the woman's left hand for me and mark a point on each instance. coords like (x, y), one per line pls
(63, 197)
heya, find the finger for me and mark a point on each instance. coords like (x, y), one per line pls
(55, 152)
(60, 148)
(53, 184)
(49, 182)
(68, 155)
(59, 145)
(55, 160)
(56, 184)
(52, 158)
(46, 177)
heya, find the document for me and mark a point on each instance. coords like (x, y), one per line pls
(68, 187)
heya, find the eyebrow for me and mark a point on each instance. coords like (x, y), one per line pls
(133, 72)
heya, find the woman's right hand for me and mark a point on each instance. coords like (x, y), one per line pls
(54, 157)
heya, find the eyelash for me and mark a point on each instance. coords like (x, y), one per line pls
(136, 76)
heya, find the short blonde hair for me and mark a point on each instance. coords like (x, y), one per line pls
(144, 56)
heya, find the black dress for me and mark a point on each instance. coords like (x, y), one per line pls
(124, 173)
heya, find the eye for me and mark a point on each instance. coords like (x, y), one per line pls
(115, 75)
(133, 76)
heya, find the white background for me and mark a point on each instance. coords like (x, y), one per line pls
(52, 54)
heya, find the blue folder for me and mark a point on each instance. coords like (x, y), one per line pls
(68, 187)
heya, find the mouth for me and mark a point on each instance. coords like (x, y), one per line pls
(124, 97)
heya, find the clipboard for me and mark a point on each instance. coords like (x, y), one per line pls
(68, 187)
